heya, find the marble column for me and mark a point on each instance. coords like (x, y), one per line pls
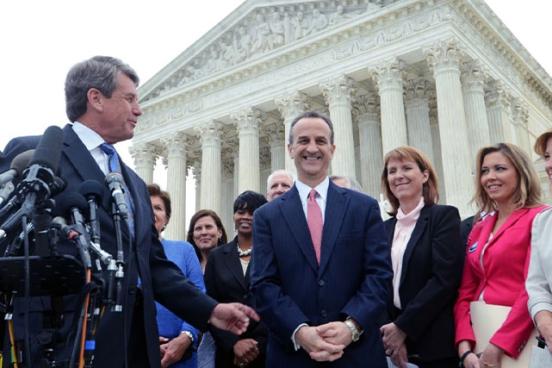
(477, 123)
(520, 119)
(290, 107)
(211, 167)
(276, 140)
(176, 186)
(144, 156)
(197, 177)
(436, 145)
(498, 102)
(393, 121)
(338, 94)
(370, 150)
(228, 197)
(417, 115)
(236, 174)
(444, 59)
(249, 164)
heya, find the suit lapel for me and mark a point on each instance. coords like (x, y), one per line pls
(79, 157)
(510, 221)
(292, 211)
(419, 229)
(232, 262)
(336, 205)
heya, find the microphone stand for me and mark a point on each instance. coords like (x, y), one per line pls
(120, 273)
(27, 293)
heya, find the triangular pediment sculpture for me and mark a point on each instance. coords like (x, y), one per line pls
(253, 30)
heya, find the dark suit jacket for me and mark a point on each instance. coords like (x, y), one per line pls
(225, 282)
(15, 147)
(290, 288)
(431, 272)
(161, 279)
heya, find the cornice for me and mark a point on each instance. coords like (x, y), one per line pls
(501, 38)
(288, 53)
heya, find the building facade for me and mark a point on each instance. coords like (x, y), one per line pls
(445, 76)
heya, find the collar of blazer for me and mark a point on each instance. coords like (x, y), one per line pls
(419, 229)
(487, 225)
(292, 211)
(82, 162)
(231, 260)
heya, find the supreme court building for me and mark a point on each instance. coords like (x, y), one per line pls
(445, 76)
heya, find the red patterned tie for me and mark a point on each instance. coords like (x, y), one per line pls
(314, 221)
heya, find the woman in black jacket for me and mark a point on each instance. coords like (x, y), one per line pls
(427, 255)
(227, 280)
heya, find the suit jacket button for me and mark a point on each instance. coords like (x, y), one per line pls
(321, 283)
(323, 313)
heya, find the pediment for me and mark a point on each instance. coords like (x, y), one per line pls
(252, 31)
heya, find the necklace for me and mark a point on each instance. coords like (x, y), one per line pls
(243, 253)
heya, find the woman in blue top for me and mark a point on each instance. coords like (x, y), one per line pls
(178, 339)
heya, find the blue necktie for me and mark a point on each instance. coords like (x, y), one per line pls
(115, 166)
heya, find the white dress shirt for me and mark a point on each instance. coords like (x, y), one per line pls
(92, 142)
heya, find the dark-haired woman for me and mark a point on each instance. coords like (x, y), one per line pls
(205, 233)
(227, 280)
(177, 339)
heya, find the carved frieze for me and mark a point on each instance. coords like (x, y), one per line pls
(264, 30)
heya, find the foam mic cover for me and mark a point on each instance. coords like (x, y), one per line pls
(48, 151)
(92, 188)
(22, 160)
(66, 201)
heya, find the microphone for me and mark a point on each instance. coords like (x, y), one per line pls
(39, 177)
(18, 164)
(93, 191)
(72, 203)
(116, 186)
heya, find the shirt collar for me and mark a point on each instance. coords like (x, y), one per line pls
(321, 189)
(89, 137)
(412, 215)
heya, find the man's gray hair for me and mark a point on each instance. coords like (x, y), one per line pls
(352, 183)
(278, 172)
(99, 72)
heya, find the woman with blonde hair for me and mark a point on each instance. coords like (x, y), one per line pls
(427, 256)
(508, 191)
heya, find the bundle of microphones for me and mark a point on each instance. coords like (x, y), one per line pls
(34, 206)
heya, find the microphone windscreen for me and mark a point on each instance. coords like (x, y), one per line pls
(21, 161)
(68, 200)
(114, 177)
(92, 188)
(48, 151)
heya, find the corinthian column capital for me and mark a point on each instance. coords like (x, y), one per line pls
(143, 152)
(338, 90)
(175, 145)
(389, 75)
(247, 120)
(444, 54)
(292, 105)
(209, 133)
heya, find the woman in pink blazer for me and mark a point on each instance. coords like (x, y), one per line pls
(497, 257)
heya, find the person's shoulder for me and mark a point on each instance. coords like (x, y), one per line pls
(222, 249)
(443, 209)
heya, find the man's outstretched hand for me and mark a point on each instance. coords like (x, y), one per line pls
(233, 317)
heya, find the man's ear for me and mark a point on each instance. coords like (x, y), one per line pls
(95, 99)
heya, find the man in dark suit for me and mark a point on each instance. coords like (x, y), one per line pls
(321, 269)
(102, 103)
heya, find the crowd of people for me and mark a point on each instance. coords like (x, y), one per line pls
(312, 273)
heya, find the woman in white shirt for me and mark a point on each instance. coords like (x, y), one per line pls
(539, 277)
